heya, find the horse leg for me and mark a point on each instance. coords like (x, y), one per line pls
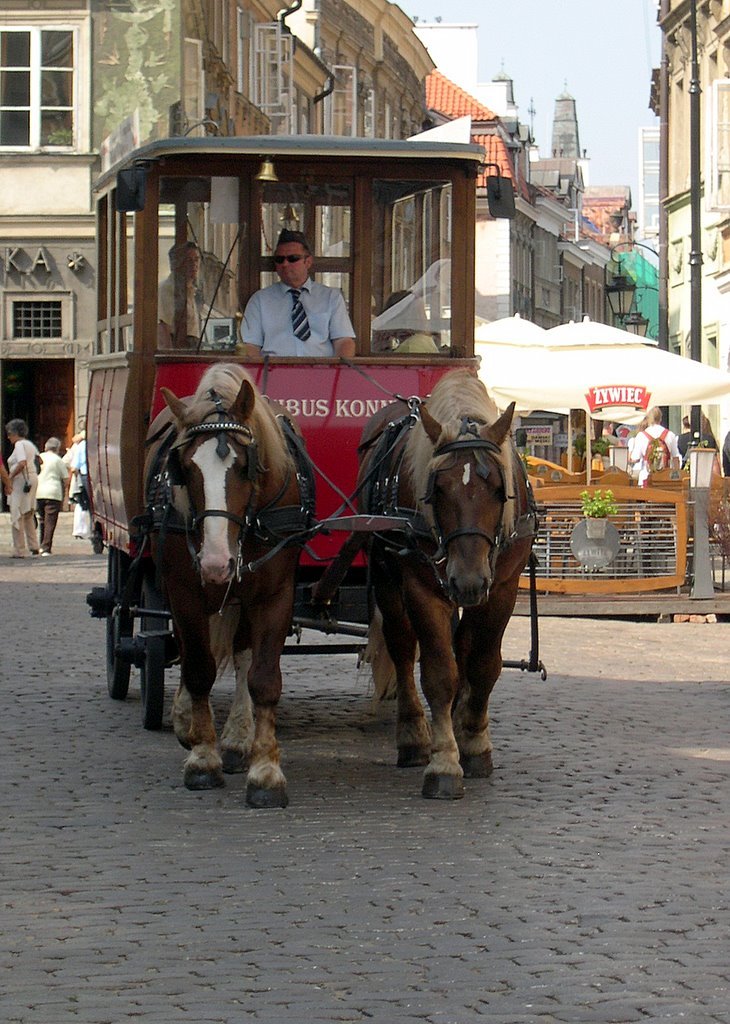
(412, 734)
(443, 777)
(479, 655)
(269, 623)
(237, 735)
(192, 715)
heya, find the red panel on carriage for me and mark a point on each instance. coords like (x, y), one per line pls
(331, 402)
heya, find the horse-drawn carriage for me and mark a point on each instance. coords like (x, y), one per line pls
(382, 218)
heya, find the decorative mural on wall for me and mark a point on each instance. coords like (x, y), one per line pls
(136, 64)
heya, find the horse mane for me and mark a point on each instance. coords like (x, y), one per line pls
(456, 395)
(226, 380)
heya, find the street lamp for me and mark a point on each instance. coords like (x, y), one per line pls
(636, 324)
(622, 291)
(620, 295)
(701, 462)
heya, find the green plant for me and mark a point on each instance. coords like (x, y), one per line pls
(60, 137)
(598, 447)
(598, 505)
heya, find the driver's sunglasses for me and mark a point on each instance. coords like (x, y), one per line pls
(289, 259)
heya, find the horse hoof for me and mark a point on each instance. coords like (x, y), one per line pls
(197, 778)
(442, 787)
(233, 762)
(258, 797)
(477, 766)
(412, 756)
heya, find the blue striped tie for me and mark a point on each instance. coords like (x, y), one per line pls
(299, 322)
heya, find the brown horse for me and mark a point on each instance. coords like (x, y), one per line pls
(228, 566)
(448, 579)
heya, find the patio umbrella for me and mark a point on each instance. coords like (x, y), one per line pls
(609, 373)
(510, 330)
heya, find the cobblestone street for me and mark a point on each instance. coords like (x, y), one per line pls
(585, 881)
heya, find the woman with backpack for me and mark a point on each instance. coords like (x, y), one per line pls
(655, 447)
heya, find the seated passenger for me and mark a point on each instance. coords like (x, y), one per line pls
(185, 260)
(296, 316)
(402, 327)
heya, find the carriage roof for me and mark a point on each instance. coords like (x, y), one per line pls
(316, 147)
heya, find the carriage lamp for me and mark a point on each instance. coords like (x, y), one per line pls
(701, 462)
(618, 457)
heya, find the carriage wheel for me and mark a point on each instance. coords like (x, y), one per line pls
(152, 669)
(118, 625)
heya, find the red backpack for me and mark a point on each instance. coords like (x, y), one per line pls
(657, 453)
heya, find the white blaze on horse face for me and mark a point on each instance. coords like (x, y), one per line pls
(467, 473)
(215, 552)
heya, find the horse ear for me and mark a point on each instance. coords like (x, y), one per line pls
(498, 430)
(430, 425)
(176, 406)
(245, 400)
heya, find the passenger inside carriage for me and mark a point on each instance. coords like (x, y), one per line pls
(402, 327)
(171, 333)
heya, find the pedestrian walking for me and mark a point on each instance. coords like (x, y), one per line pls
(50, 493)
(21, 488)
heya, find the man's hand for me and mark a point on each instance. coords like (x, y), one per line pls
(344, 347)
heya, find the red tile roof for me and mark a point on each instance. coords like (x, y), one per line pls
(495, 153)
(452, 101)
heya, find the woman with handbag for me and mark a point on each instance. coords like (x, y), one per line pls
(22, 487)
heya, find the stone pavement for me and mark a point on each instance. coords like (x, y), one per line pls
(586, 881)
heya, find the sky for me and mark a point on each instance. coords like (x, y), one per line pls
(603, 53)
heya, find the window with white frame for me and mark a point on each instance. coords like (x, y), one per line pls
(718, 196)
(37, 87)
(272, 88)
(341, 105)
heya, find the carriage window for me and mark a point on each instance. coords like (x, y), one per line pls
(116, 278)
(411, 279)
(324, 214)
(199, 256)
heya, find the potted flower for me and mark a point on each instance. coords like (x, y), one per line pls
(596, 507)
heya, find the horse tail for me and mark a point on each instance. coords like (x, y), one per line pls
(382, 669)
(222, 631)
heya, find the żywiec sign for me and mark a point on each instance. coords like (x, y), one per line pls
(633, 395)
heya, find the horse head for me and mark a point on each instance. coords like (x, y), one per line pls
(218, 463)
(467, 490)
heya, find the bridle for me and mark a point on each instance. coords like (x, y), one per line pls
(222, 427)
(486, 451)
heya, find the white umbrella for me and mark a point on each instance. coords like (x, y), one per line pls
(610, 374)
(510, 330)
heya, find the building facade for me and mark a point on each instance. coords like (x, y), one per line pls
(713, 187)
(82, 82)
